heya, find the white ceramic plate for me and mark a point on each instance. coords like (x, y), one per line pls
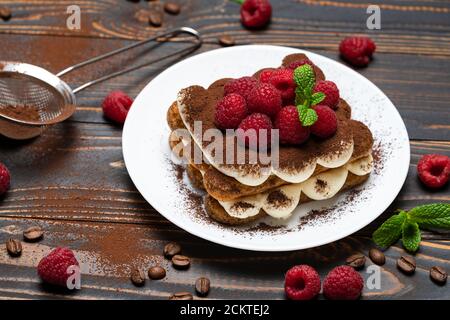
(147, 154)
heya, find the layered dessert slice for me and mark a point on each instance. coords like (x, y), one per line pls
(322, 151)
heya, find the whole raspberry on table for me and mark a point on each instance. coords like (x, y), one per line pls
(294, 65)
(331, 92)
(255, 13)
(343, 283)
(230, 111)
(326, 124)
(434, 170)
(52, 268)
(5, 179)
(116, 106)
(290, 128)
(264, 98)
(283, 80)
(357, 51)
(251, 131)
(241, 86)
(302, 282)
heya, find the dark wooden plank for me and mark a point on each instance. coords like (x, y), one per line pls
(234, 273)
(399, 76)
(314, 24)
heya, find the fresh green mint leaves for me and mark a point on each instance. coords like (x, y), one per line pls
(407, 225)
(305, 79)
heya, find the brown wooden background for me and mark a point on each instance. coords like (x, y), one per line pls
(72, 181)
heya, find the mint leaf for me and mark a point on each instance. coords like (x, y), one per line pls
(411, 236)
(390, 231)
(317, 98)
(431, 216)
(300, 98)
(306, 115)
(305, 78)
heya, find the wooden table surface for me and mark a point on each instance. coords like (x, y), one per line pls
(72, 181)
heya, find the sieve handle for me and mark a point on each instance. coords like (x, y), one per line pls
(168, 34)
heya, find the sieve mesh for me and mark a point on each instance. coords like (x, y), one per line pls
(21, 90)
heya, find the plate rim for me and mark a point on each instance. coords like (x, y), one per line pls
(237, 245)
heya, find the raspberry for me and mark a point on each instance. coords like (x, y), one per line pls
(5, 179)
(302, 282)
(294, 65)
(250, 130)
(290, 128)
(357, 50)
(53, 268)
(264, 75)
(326, 124)
(230, 111)
(241, 86)
(343, 283)
(256, 13)
(283, 80)
(264, 98)
(434, 170)
(116, 106)
(331, 93)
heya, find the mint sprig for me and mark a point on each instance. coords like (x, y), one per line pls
(307, 115)
(434, 216)
(407, 225)
(411, 235)
(317, 98)
(390, 231)
(305, 79)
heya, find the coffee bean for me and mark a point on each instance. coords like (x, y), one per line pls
(356, 261)
(172, 249)
(172, 8)
(155, 18)
(202, 286)
(181, 262)
(5, 13)
(181, 296)
(33, 234)
(156, 273)
(14, 247)
(137, 277)
(377, 256)
(227, 41)
(406, 264)
(438, 275)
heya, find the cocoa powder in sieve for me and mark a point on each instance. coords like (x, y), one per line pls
(19, 131)
(21, 112)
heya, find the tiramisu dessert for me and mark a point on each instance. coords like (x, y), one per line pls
(317, 151)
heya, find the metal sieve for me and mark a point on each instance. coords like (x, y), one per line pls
(28, 86)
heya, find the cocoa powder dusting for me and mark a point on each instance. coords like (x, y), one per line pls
(241, 206)
(264, 227)
(193, 200)
(328, 215)
(119, 249)
(21, 112)
(379, 158)
(111, 249)
(278, 199)
(320, 185)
